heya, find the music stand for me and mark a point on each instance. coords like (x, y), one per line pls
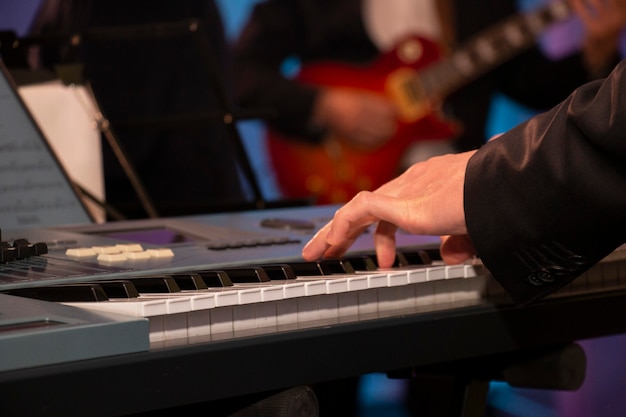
(197, 32)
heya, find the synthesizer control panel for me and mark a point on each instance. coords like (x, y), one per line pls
(168, 245)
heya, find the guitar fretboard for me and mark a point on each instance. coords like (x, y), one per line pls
(484, 52)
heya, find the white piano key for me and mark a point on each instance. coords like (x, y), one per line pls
(273, 293)
(308, 305)
(378, 280)
(347, 305)
(368, 301)
(202, 301)
(178, 306)
(132, 307)
(157, 328)
(357, 283)
(425, 294)
(199, 322)
(455, 271)
(222, 320)
(328, 307)
(312, 288)
(287, 312)
(244, 317)
(336, 285)
(442, 289)
(395, 279)
(154, 310)
(287, 309)
(266, 314)
(436, 273)
(294, 290)
(397, 294)
(471, 271)
(175, 326)
(417, 275)
(308, 308)
(249, 295)
(227, 297)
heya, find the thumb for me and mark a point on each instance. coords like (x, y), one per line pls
(456, 249)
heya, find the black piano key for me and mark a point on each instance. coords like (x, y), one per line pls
(434, 254)
(399, 261)
(362, 262)
(323, 267)
(215, 279)
(156, 284)
(63, 292)
(279, 271)
(121, 288)
(306, 268)
(415, 257)
(247, 274)
(189, 281)
(336, 266)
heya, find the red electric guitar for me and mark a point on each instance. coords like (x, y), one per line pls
(415, 76)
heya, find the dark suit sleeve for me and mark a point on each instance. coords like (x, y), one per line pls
(546, 201)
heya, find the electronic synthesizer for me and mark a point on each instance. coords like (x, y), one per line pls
(35, 262)
(66, 332)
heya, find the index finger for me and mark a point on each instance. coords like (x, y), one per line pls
(349, 222)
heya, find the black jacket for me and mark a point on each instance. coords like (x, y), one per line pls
(546, 201)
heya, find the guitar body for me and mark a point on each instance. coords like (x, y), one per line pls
(333, 171)
(415, 76)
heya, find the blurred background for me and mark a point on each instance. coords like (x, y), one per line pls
(602, 392)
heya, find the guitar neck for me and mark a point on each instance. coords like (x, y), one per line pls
(489, 49)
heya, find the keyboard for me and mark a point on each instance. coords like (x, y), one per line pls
(317, 322)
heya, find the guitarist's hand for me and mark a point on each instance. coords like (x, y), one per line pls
(604, 22)
(362, 119)
(427, 199)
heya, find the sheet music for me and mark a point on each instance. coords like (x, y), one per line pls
(34, 189)
(65, 114)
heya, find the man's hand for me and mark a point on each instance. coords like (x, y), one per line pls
(604, 22)
(362, 119)
(427, 199)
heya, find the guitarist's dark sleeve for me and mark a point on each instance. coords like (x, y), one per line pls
(546, 201)
(538, 81)
(309, 31)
